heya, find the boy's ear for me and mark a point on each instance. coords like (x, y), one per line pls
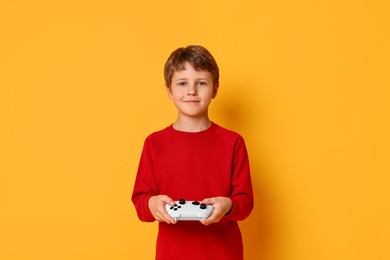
(169, 92)
(215, 90)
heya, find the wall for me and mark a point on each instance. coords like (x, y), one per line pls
(305, 82)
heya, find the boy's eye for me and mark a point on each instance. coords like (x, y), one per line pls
(202, 83)
(182, 83)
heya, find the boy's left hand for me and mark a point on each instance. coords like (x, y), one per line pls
(222, 205)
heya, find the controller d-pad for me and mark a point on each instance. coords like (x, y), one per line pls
(175, 207)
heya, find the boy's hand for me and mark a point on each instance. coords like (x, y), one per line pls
(156, 206)
(222, 205)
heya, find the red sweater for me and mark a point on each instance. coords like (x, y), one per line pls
(195, 166)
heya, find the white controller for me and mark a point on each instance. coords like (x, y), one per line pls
(189, 210)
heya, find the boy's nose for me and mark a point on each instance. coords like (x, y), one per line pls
(191, 90)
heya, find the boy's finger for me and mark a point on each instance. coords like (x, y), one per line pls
(210, 219)
(168, 200)
(208, 201)
(167, 218)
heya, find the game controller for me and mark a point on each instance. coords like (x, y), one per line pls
(189, 210)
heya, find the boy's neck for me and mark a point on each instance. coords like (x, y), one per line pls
(192, 124)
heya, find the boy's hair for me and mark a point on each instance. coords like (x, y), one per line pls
(199, 58)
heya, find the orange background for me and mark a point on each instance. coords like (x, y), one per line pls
(305, 82)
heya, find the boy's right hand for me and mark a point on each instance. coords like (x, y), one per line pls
(156, 206)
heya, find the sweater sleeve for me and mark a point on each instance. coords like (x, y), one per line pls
(241, 191)
(145, 185)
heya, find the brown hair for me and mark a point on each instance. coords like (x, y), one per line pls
(199, 58)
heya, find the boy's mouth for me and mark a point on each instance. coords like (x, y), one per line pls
(191, 101)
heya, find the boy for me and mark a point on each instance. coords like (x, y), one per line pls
(194, 159)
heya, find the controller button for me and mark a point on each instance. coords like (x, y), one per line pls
(195, 203)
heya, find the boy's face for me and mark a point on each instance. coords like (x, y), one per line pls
(191, 91)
